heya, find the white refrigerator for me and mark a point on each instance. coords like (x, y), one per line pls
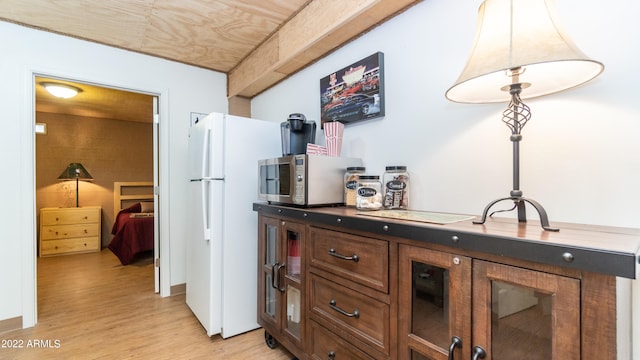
(221, 274)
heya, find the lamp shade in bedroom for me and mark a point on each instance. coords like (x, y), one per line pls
(77, 172)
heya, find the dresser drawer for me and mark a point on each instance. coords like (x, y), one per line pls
(70, 216)
(69, 231)
(357, 258)
(361, 316)
(54, 247)
(326, 345)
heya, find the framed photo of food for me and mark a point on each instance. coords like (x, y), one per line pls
(355, 92)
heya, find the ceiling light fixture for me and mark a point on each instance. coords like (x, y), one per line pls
(61, 90)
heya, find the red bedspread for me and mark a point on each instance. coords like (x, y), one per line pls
(132, 235)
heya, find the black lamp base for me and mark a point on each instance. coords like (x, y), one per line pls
(519, 202)
(515, 117)
(77, 193)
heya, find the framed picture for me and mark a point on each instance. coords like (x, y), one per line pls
(354, 93)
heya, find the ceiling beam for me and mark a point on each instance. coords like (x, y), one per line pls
(319, 28)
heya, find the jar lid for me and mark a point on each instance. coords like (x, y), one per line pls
(356, 168)
(369, 177)
(396, 168)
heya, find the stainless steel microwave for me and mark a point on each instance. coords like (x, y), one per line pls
(304, 180)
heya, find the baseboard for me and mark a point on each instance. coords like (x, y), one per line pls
(10, 324)
(178, 289)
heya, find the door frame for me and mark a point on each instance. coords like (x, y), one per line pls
(155, 121)
(28, 173)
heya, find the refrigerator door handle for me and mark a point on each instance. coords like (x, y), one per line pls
(205, 154)
(206, 194)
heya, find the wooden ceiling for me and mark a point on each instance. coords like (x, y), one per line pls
(257, 43)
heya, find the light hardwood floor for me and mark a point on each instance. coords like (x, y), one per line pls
(92, 307)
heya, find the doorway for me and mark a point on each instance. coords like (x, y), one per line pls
(112, 132)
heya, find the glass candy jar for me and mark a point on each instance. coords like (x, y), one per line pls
(369, 193)
(396, 187)
(351, 184)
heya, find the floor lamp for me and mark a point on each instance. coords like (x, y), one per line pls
(78, 172)
(520, 52)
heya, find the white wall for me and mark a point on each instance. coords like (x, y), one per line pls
(580, 154)
(182, 89)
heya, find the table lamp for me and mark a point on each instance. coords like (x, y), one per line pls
(78, 172)
(519, 52)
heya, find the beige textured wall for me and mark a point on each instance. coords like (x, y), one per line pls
(110, 150)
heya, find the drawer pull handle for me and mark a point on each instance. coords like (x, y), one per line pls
(332, 355)
(275, 276)
(280, 267)
(455, 343)
(478, 353)
(355, 313)
(353, 257)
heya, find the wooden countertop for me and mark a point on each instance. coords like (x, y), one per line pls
(607, 250)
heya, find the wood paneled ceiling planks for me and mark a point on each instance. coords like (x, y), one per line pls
(257, 43)
(214, 34)
(318, 29)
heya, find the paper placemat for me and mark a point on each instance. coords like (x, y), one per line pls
(414, 215)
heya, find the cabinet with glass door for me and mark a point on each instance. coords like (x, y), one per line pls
(456, 307)
(280, 283)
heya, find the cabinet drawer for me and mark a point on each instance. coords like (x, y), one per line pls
(361, 316)
(54, 247)
(70, 216)
(324, 344)
(69, 231)
(337, 253)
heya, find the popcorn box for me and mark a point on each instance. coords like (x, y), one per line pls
(333, 131)
(313, 149)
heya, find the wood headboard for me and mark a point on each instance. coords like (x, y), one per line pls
(126, 194)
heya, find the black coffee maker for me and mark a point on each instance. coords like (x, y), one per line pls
(296, 133)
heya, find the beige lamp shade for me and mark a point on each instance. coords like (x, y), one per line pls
(524, 35)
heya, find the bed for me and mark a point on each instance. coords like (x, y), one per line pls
(133, 221)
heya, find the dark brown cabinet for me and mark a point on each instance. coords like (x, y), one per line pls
(334, 284)
(517, 313)
(281, 306)
(434, 302)
(525, 314)
(349, 295)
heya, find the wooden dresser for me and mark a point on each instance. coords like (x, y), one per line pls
(379, 288)
(70, 230)
(348, 292)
